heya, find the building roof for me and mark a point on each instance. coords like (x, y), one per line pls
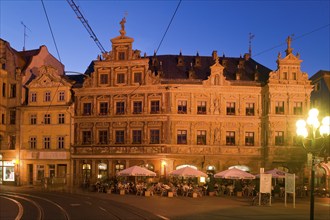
(325, 74)
(171, 70)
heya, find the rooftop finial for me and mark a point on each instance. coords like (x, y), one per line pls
(122, 24)
(288, 41)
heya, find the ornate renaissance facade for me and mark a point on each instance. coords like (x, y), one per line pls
(165, 111)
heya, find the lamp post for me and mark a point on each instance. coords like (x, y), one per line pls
(311, 130)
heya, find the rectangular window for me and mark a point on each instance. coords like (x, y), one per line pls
(230, 138)
(201, 107)
(182, 107)
(154, 136)
(230, 108)
(120, 78)
(201, 137)
(46, 142)
(120, 137)
(103, 137)
(249, 138)
(86, 137)
(4, 89)
(47, 119)
(249, 109)
(33, 119)
(137, 136)
(297, 108)
(12, 142)
(154, 107)
(61, 96)
(12, 90)
(47, 96)
(279, 108)
(279, 138)
(33, 143)
(61, 118)
(121, 56)
(104, 78)
(33, 97)
(120, 108)
(294, 76)
(182, 137)
(3, 119)
(103, 108)
(137, 107)
(60, 142)
(137, 77)
(87, 108)
(12, 119)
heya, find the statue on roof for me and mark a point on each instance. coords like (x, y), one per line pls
(289, 49)
(122, 24)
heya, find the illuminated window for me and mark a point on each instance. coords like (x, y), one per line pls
(230, 138)
(249, 138)
(297, 108)
(182, 107)
(249, 109)
(201, 137)
(201, 107)
(230, 108)
(119, 167)
(182, 137)
(279, 138)
(279, 108)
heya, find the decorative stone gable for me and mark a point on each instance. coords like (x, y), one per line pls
(288, 69)
(48, 78)
(216, 77)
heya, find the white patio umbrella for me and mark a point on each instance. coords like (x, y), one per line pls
(136, 171)
(187, 172)
(234, 174)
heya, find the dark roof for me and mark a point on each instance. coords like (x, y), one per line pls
(171, 70)
(78, 79)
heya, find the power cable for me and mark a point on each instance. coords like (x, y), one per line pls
(296, 38)
(177, 7)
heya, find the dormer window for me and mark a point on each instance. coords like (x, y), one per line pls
(121, 55)
(137, 77)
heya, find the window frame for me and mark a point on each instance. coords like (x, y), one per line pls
(201, 137)
(201, 107)
(249, 138)
(230, 108)
(182, 137)
(230, 138)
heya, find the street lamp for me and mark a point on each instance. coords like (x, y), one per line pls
(311, 130)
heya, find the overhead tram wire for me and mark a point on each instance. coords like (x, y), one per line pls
(293, 39)
(177, 7)
(58, 54)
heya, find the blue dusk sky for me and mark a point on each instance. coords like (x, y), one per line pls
(198, 26)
